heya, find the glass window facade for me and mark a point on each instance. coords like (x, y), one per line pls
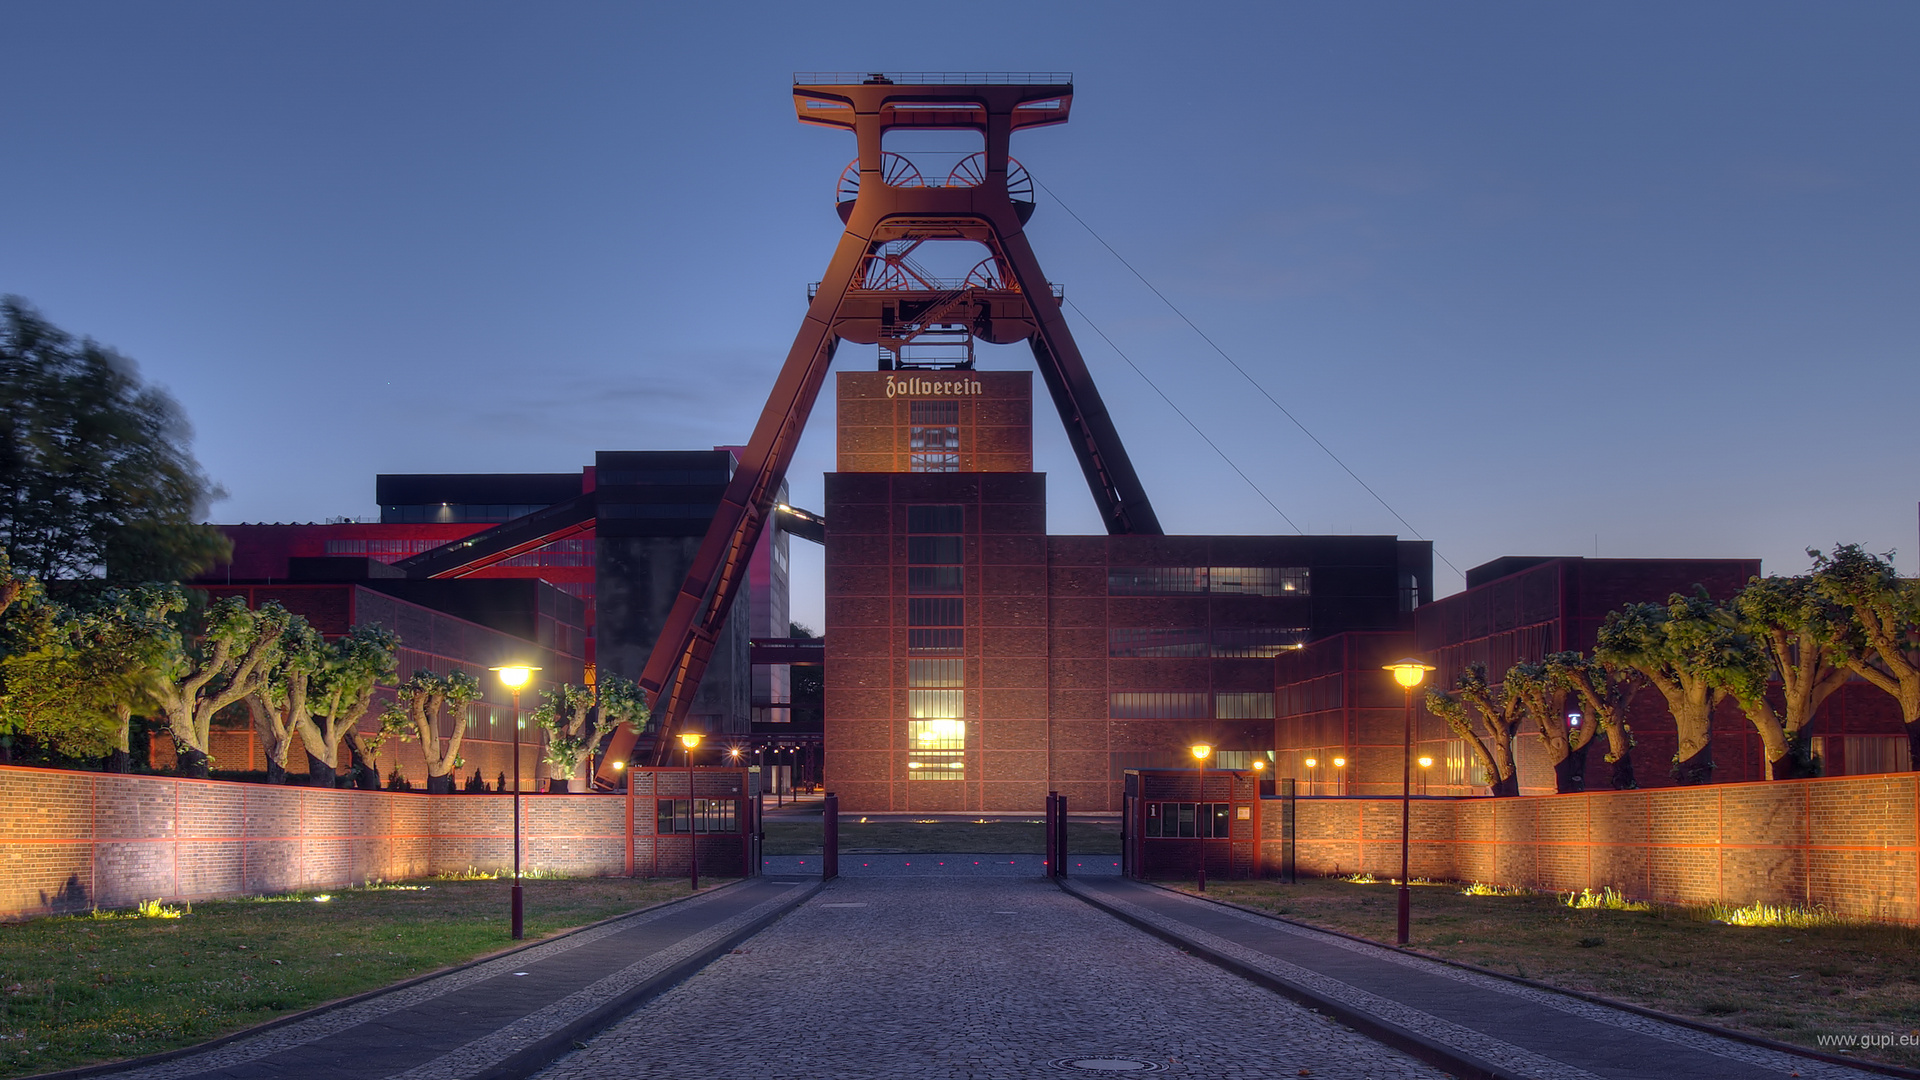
(1203, 580)
(936, 617)
(1204, 821)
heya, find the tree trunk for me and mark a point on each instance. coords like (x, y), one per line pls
(276, 772)
(1506, 788)
(1623, 773)
(193, 764)
(365, 776)
(1697, 769)
(1570, 772)
(319, 773)
(118, 761)
(557, 786)
(440, 785)
(580, 785)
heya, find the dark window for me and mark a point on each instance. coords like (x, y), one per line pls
(934, 519)
(924, 550)
(1207, 821)
(932, 611)
(935, 581)
(929, 642)
(696, 815)
(934, 412)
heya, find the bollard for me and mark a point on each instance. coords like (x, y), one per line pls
(1289, 805)
(1053, 838)
(830, 837)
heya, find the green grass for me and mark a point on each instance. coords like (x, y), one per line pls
(1012, 836)
(1786, 980)
(81, 989)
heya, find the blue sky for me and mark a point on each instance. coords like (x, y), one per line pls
(1633, 278)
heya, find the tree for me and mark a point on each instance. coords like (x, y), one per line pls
(1796, 633)
(1880, 644)
(1605, 691)
(1684, 650)
(279, 706)
(96, 475)
(576, 726)
(1536, 692)
(230, 659)
(415, 714)
(71, 679)
(351, 666)
(1492, 746)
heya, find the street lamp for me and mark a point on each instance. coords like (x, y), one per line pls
(1409, 673)
(691, 739)
(1201, 752)
(1340, 776)
(1312, 776)
(513, 677)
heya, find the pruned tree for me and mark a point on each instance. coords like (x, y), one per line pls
(351, 666)
(576, 725)
(1685, 650)
(1492, 742)
(279, 706)
(1881, 643)
(1797, 633)
(1535, 692)
(231, 658)
(415, 714)
(1605, 692)
(96, 474)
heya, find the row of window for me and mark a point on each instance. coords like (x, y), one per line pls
(419, 513)
(1208, 580)
(1205, 821)
(936, 696)
(379, 548)
(1189, 705)
(575, 552)
(676, 477)
(696, 816)
(1246, 642)
(933, 439)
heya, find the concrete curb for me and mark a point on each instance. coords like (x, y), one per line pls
(1731, 1034)
(572, 1035)
(106, 1068)
(1411, 1043)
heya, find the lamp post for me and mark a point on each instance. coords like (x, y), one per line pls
(691, 739)
(513, 677)
(1425, 764)
(1313, 787)
(1409, 673)
(1340, 776)
(1201, 752)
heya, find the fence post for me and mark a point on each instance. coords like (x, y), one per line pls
(1060, 833)
(830, 837)
(1053, 836)
(1288, 808)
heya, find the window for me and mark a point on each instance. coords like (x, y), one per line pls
(934, 519)
(933, 439)
(1243, 706)
(1187, 820)
(935, 749)
(1217, 580)
(1154, 641)
(696, 815)
(936, 612)
(1175, 705)
(935, 704)
(1253, 643)
(936, 550)
(1258, 642)
(936, 673)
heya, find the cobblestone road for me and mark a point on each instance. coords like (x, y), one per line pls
(988, 978)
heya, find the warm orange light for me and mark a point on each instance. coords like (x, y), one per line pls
(1259, 765)
(689, 739)
(1426, 763)
(514, 676)
(1339, 763)
(1312, 762)
(1409, 672)
(734, 753)
(1201, 751)
(618, 765)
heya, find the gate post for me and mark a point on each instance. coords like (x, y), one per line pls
(1288, 807)
(830, 837)
(1053, 860)
(1060, 833)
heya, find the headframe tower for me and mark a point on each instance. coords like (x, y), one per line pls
(874, 292)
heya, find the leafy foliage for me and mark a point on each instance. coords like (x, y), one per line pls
(1885, 625)
(96, 476)
(1492, 743)
(1796, 633)
(415, 714)
(1689, 650)
(231, 658)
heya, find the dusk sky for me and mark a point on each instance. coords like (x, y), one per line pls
(1553, 279)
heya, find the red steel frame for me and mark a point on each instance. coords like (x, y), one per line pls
(1021, 307)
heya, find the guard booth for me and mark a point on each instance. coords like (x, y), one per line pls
(1174, 821)
(673, 811)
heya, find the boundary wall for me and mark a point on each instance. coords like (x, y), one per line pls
(1850, 844)
(72, 841)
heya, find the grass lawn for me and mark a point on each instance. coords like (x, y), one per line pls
(1013, 836)
(80, 989)
(1787, 983)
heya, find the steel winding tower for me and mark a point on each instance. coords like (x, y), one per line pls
(875, 293)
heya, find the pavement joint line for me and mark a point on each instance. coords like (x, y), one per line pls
(1299, 984)
(1591, 1006)
(321, 1021)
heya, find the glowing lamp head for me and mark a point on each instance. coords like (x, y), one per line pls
(1259, 765)
(1313, 763)
(514, 676)
(734, 753)
(1339, 763)
(689, 739)
(1426, 763)
(1201, 751)
(1409, 671)
(618, 765)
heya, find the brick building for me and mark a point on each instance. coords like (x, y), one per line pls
(1334, 703)
(974, 662)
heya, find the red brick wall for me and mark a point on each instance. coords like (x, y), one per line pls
(75, 840)
(1850, 843)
